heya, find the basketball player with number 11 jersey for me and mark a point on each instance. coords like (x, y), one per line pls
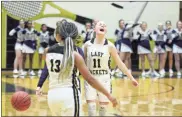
(97, 54)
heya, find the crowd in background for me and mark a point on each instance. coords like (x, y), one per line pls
(27, 41)
(168, 42)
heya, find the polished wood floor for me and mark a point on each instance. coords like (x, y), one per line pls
(153, 97)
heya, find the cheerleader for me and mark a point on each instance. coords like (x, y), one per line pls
(44, 41)
(177, 46)
(88, 34)
(144, 49)
(124, 42)
(29, 45)
(160, 38)
(18, 48)
(169, 46)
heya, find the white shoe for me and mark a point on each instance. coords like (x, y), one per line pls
(119, 74)
(15, 76)
(23, 73)
(170, 72)
(32, 73)
(162, 73)
(178, 73)
(40, 72)
(156, 74)
(149, 72)
(143, 74)
(15, 71)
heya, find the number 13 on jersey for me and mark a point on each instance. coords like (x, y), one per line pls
(55, 65)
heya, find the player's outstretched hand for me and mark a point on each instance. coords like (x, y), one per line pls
(134, 82)
(38, 91)
(113, 100)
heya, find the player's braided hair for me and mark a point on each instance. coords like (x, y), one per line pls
(67, 31)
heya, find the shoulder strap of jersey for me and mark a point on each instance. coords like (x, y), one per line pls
(105, 43)
(56, 48)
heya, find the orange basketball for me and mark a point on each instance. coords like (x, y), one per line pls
(21, 101)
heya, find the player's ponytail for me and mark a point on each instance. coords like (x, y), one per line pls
(68, 31)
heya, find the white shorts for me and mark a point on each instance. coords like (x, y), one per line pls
(142, 50)
(117, 47)
(125, 48)
(177, 49)
(18, 46)
(91, 93)
(27, 49)
(64, 101)
(41, 50)
(156, 50)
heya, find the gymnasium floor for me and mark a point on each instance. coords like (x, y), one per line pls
(153, 97)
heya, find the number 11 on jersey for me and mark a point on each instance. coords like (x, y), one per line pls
(96, 63)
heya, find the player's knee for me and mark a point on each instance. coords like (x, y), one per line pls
(92, 109)
(103, 109)
(142, 58)
(177, 58)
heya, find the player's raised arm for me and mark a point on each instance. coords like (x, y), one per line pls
(120, 64)
(80, 64)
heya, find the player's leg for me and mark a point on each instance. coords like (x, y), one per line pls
(142, 59)
(15, 71)
(31, 55)
(103, 100)
(19, 57)
(162, 61)
(24, 51)
(64, 105)
(21, 61)
(24, 59)
(170, 58)
(151, 63)
(117, 45)
(41, 52)
(123, 58)
(129, 62)
(90, 95)
(177, 63)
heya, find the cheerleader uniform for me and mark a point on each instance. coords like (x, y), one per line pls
(44, 41)
(177, 41)
(160, 41)
(19, 42)
(169, 37)
(143, 42)
(88, 36)
(29, 45)
(125, 39)
(118, 39)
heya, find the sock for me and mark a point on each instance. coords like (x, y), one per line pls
(102, 110)
(92, 109)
